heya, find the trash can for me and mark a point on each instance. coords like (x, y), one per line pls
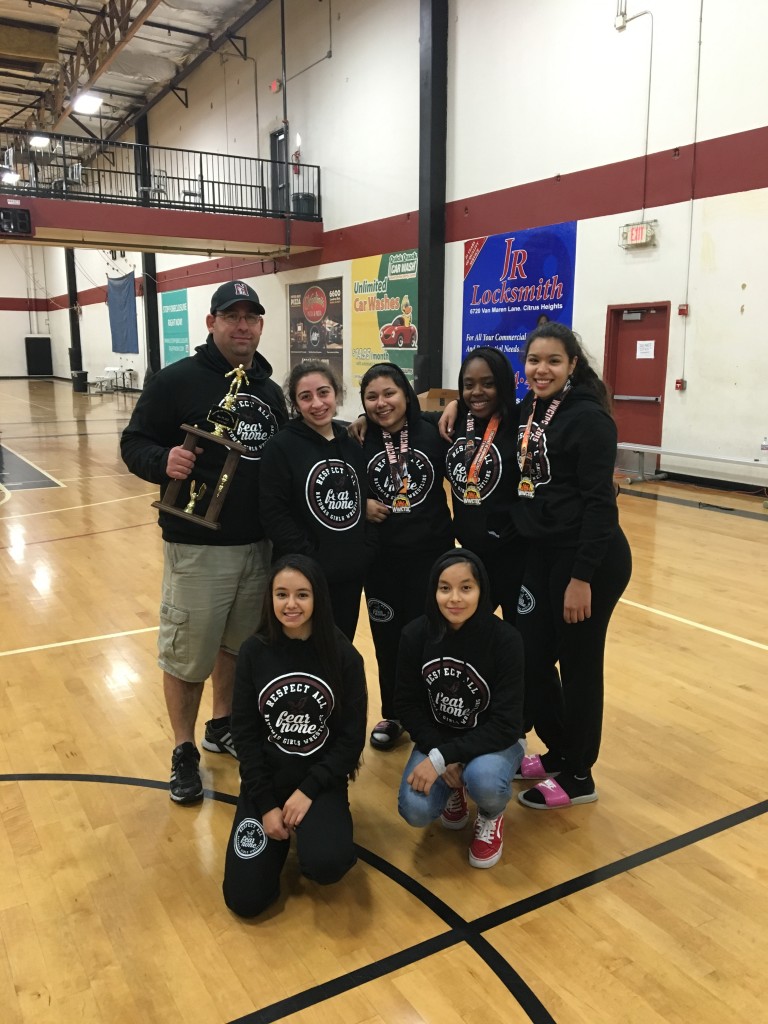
(303, 204)
(80, 381)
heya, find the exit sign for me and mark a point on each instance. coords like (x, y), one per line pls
(636, 236)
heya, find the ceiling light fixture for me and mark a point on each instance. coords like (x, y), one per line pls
(39, 141)
(87, 103)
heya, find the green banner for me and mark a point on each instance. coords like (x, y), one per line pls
(175, 317)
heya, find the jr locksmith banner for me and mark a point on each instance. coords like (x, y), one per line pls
(385, 312)
(513, 282)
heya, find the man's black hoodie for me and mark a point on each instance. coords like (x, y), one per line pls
(185, 392)
(311, 501)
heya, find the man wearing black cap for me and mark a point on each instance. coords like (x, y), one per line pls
(213, 580)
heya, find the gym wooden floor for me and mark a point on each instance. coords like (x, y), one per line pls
(648, 906)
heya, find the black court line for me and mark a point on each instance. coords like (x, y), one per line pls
(704, 505)
(16, 474)
(460, 929)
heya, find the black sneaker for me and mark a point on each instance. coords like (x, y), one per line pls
(219, 740)
(186, 786)
(386, 733)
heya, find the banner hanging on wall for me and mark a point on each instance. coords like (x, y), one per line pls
(316, 323)
(513, 282)
(121, 302)
(385, 312)
(175, 318)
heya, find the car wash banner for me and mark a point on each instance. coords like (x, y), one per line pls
(513, 282)
(385, 312)
(175, 319)
(316, 323)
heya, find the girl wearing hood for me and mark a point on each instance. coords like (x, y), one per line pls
(460, 696)
(311, 501)
(404, 456)
(578, 566)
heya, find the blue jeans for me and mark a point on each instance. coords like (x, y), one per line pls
(488, 779)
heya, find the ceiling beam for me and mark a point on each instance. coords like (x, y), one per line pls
(64, 6)
(215, 45)
(108, 34)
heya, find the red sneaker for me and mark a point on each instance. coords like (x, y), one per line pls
(488, 843)
(455, 814)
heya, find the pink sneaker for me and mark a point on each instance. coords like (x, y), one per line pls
(455, 814)
(488, 843)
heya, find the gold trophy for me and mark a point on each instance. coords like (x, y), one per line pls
(222, 417)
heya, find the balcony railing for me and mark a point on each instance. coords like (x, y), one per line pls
(69, 167)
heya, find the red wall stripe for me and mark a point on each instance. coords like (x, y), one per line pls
(732, 163)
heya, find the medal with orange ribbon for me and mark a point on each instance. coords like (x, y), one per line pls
(472, 494)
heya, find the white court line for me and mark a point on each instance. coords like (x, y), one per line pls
(5, 495)
(696, 625)
(153, 629)
(72, 508)
(29, 462)
(82, 640)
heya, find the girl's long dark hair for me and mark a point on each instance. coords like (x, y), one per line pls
(270, 631)
(438, 626)
(503, 378)
(583, 373)
(393, 372)
(303, 370)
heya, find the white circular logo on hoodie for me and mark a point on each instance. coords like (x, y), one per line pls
(333, 494)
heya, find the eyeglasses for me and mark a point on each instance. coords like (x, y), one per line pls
(234, 318)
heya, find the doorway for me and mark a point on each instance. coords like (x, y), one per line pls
(278, 155)
(635, 369)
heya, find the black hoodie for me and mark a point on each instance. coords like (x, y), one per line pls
(463, 692)
(481, 527)
(295, 729)
(427, 527)
(311, 500)
(185, 392)
(572, 470)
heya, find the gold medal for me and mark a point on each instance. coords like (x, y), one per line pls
(525, 488)
(471, 493)
(401, 503)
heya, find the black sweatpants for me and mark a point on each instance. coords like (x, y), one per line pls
(254, 862)
(395, 592)
(505, 565)
(567, 710)
(345, 604)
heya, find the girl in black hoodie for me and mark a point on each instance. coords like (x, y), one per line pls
(298, 719)
(481, 466)
(460, 696)
(407, 505)
(578, 566)
(312, 499)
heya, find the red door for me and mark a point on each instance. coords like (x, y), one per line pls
(636, 369)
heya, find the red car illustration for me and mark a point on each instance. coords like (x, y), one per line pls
(398, 336)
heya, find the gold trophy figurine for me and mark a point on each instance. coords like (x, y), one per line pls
(194, 497)
(223, 417)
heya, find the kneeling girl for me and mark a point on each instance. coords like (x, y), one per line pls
(298, 722)
(460, 696)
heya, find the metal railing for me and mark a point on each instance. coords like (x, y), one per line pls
(69, 167)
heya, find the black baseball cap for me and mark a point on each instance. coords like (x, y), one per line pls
(228, 294)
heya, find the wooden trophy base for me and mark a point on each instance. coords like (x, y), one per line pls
(210, 519)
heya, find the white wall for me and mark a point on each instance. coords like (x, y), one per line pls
(534, 89)
(22, 276)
